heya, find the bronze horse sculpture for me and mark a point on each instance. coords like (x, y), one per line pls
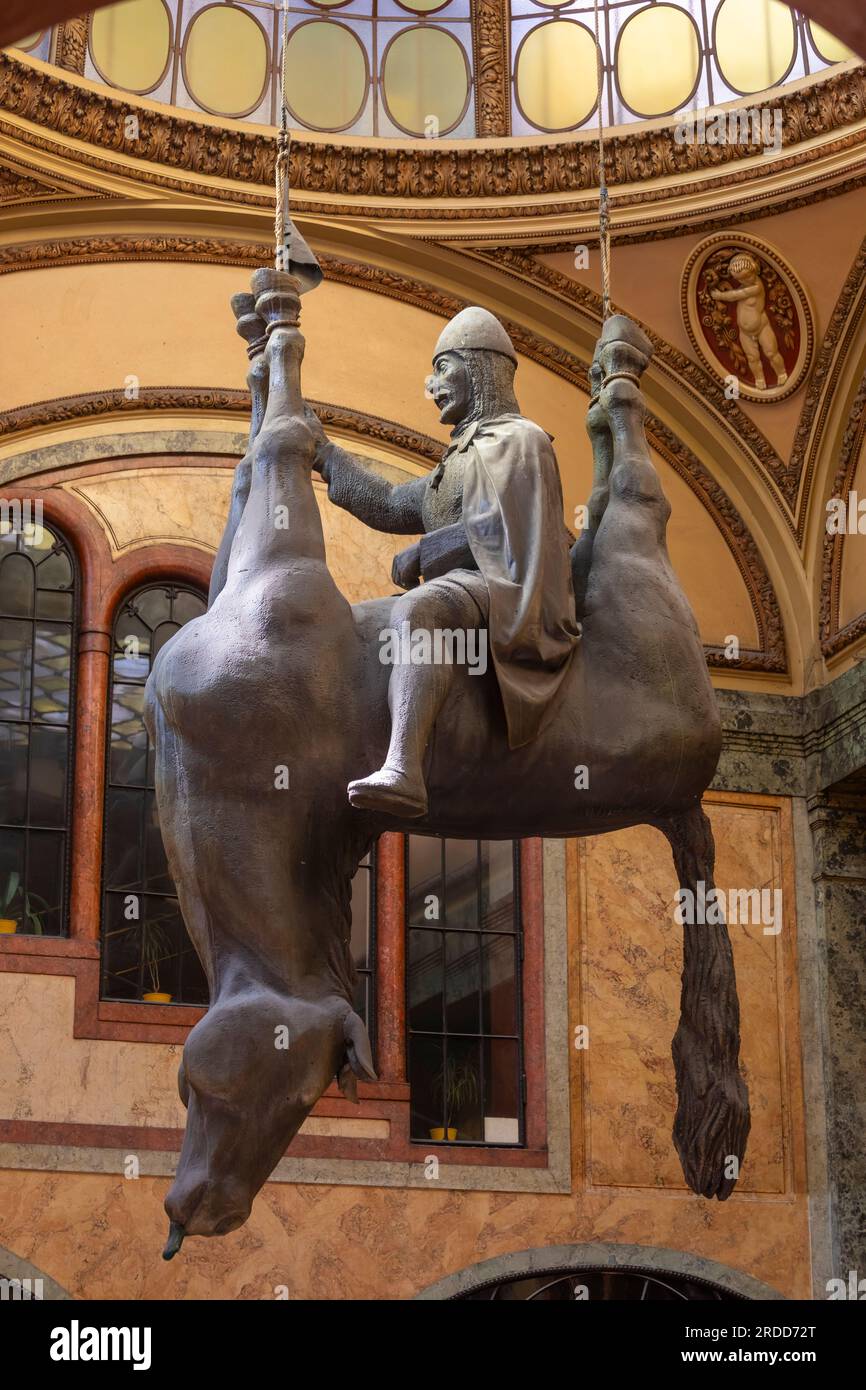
(264, 709)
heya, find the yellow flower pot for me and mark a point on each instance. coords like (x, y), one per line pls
(8, 925)
(156, 997)
(439, 1133)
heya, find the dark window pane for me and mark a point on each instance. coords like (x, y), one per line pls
(163, 634)
(461, 1082)
(425, 881)
(121, 950)
(48, 753)
(186, 606)
(501, 1092)
(499, 999)
(461, 883)
(52, 672)
(425, 1065)
(361, 918)
(53, 605)
(128, 759)
(360, 999)
(17, 586)
(497, 885)
(132, 644)
(425, 980)
(54, 571)
(45, 850)
(156, 876)
(14, 745)
(16, 640)
(123, 837)
(153, 607)
(12, 876)
(462, 982)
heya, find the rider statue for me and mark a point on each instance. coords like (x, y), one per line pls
(493, 556)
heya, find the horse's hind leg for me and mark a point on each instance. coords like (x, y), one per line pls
(712, 1121)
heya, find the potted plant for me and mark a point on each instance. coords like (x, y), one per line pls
(156, 946)
(457, 1084)
(10, 896)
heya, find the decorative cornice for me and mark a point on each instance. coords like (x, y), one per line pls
(492, 67)
(834, 639)
(187, 400)
(844, 321)
(431, 172)
(702, 384)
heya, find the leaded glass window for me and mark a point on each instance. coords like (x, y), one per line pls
(38, 597)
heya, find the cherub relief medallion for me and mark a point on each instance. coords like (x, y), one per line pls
(748, 316)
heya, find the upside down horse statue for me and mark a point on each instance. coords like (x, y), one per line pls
(283, 672)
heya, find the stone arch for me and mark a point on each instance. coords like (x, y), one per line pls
(601, 1255)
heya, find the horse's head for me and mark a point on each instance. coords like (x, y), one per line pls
(252, 1070)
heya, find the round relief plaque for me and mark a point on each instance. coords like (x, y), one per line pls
(748, 316)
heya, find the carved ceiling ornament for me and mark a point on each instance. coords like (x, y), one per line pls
(169, 148)
(748, 316)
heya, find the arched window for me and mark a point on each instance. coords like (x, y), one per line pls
(38, 594)
(146, 953)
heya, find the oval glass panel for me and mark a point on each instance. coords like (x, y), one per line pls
(30, 42)
(557, 75)
(326, 75)
(833, 50)
(425, 76)
(226, 61)
(425, 6)
(130, 43)
(658, 60)
(755, 41)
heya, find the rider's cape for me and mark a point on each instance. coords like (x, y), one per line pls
(513, 517)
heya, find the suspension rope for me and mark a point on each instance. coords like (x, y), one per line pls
(603, 198)
(284, 146)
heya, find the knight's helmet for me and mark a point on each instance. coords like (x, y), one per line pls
(488, 352)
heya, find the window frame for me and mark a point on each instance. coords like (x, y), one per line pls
(72, 724)
(481, 1037)
(153, 582)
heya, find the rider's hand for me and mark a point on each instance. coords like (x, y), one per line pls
(406, 569)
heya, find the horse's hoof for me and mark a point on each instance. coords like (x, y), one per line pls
(388, 792)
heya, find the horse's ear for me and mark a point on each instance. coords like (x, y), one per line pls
(359, 1057)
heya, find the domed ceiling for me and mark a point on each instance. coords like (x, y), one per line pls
(398, 68)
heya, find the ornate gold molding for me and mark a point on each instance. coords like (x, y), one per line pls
(431, 173)
(844, 322)
(68, 410)
(71, 44)
(492, 67)
(834, 639)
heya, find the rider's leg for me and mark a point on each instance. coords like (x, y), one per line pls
(416, 693)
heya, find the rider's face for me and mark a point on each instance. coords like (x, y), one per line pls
(450, 388)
